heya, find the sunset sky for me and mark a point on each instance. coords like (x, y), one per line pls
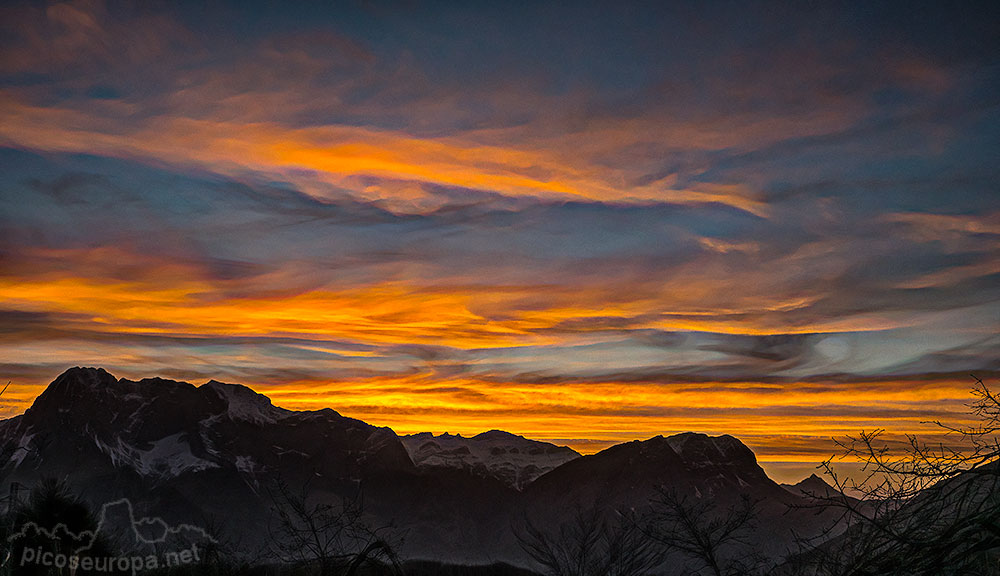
(585, 223)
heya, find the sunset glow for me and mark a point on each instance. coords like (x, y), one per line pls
(588, 237)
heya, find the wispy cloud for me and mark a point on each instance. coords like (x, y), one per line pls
(573, 225)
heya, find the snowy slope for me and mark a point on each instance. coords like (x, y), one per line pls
(514, 460)
(162, 429)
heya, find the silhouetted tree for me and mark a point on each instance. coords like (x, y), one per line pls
(334, 536)
(593, 543)
(51, 521)
(713, 539)
(922, 510)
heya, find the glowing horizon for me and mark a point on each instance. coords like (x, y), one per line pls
(619, 224)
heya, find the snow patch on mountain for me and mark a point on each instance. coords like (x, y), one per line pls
(167, 457)
(700, 450)
(121, 454)
(246, 405)
(170, 456)
(514, 460)
(22, 450)
(245, 464)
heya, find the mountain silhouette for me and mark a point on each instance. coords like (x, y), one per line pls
(193, 455)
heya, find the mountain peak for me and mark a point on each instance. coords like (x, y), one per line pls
(711, 458)
(812, 479)
(84, 371)
(696, 447)
(497, 435)
(242, 403)
(84, 376)
(514, 460)
(75, 386)
(86, 391)
(811, 486)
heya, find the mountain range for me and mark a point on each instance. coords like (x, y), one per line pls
(211, 454)
(514, 460)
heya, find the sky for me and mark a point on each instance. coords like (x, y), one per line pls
(585, 223)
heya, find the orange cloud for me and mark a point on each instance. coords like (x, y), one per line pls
(338, 155)
(786, 423)
(601, 325)
(178, 300)
(156, 296)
